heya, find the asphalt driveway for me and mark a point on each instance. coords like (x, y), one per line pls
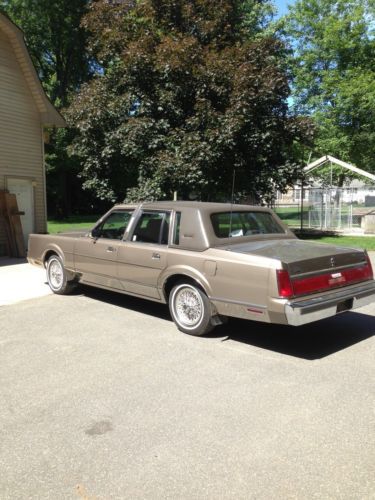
(101, 397)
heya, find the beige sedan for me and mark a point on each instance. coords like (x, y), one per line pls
(208, 261)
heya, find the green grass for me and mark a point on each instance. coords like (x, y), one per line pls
(365, 242)
(291, 215)
(73, 223)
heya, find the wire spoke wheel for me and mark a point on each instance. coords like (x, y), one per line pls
(188, 306)
(56, 275)
(190, 309)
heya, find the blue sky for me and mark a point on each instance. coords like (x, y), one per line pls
(282, 6)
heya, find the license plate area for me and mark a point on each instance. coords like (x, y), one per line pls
(345, 305)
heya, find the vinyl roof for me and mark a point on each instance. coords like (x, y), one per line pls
(198, 205)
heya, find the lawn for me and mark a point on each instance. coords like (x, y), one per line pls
(291, 215)
(365, 242)
(73, 223)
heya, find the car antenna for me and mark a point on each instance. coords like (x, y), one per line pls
(231, 202)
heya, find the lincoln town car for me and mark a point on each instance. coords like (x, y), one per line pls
(208, 261)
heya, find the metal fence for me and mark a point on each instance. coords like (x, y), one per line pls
(335, 209)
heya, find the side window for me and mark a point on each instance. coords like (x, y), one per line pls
(114, 226)
(152, 227)
(176, 232)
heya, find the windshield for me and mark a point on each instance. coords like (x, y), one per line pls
(235, 224)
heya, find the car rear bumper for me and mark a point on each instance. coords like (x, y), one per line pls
(300, 312)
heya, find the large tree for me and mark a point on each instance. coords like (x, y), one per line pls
(189, 93)
(58, 46)
(333, 64)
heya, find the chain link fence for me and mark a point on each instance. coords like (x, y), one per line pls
(334, 209)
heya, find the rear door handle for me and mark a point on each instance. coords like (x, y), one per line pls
(156, 256)
(111, 249)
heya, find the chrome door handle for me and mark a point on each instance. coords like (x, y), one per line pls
(156, 256)
(111, 249)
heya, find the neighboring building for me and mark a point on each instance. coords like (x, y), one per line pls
(357, 191)
(24, 112)
(348, 208)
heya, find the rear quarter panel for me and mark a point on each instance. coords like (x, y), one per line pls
(226, 276)
(242, 278)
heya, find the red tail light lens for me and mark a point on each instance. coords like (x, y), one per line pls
(326, 281)
(284, 283)
(303, 286)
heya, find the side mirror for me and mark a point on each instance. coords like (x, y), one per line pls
(95, 233)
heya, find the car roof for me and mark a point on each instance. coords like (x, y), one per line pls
(196, 231)
(200, 205)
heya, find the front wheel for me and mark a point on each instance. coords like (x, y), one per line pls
(57, 277)
(190, 309)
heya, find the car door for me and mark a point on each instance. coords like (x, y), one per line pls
(95, 255)
(143, 256)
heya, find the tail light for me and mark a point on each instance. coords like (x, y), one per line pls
(303, 286)
(284, 283)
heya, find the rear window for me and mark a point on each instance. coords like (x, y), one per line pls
(235, 224)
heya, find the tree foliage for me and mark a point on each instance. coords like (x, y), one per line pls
(332, 61)
(189, 92)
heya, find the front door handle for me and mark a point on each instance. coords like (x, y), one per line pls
(111, 249)
(156, 256)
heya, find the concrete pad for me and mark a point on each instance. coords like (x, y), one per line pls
(21, 281)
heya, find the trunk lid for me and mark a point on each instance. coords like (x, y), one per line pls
(311, 267)
(300, 256)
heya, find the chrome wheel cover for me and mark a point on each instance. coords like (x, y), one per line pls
(55, 274)
(188, 306)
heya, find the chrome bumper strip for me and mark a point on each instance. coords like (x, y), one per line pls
(306, 311)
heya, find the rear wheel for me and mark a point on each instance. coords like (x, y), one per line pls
(190, 309)
(57, 277)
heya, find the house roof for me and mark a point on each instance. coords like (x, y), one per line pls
(49, 115)
(327, 158)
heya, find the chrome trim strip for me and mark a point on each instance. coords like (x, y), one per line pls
(124, 292)
(324, 307)
(237, 302)
(332, 298)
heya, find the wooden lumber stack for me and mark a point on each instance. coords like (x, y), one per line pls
(11, 220)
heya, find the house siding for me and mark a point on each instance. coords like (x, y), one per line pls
(21, 146)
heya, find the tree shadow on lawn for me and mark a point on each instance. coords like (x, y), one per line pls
(312, 341)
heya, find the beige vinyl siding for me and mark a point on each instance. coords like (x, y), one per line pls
(21, 148)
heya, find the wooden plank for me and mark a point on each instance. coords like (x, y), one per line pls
(15, 223)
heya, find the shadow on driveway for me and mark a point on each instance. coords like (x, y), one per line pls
(313, 341)
(12, 261)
